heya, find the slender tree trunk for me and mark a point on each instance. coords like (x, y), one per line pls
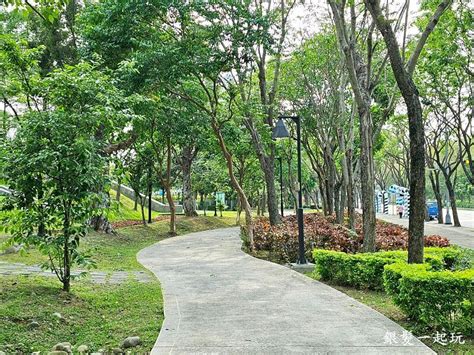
(204, 204)
(452, 202)
(239, 212)
(359, 79)
(169, 197)
(259, 203)
(322, 192)
(135, 203)
(142, 208)
(234, 182)
(167, 185)
(267, 163)
(367, 180)
(66, 256)
(338, 203)
(350, 191)
(409, 91)
(189, 203)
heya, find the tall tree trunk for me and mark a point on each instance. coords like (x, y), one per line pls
(322, 192)
(234, 182)
(189, 203)
(367, 179)
(359, 79)
(167, 185)
(338, 202)
(142, 209)
(409, 91)
(239, 212)
(267, 163)
(66, 277)
(350, 190)
(452, 201)
(169, 197)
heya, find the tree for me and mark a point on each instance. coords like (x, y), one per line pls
(266, 25)
(445, 80)
(56, 163)
(444, 151)
(403, 75)
(359, 77)
(314, 82)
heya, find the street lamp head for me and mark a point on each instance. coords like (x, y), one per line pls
(280, 131)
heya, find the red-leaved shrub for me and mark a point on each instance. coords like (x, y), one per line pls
(321, 232)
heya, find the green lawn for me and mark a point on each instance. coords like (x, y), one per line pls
(118, 252)
(383, 303)
(124, 210)
(98, 316)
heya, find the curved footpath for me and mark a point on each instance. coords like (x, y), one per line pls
(219, 299)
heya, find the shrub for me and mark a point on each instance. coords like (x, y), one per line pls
(366, 270)
(453, 257)
(435, 299)
(357, 270)
(321, 232)
(393, 273)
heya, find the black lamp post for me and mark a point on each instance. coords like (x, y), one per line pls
(280, 131)
(281, 185)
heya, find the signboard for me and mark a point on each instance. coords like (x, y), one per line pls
(220, 198)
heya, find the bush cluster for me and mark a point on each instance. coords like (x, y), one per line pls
(321, 232)
(366, 270)
(435, 299)
(431, 293)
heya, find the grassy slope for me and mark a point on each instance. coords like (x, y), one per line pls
(118, 252)
(124, 210)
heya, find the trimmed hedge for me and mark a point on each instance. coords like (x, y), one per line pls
(366, 270)
(435, 299)
(358, 270)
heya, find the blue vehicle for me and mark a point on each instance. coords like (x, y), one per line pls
(432, 208)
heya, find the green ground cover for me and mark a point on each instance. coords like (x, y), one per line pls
(97, 316)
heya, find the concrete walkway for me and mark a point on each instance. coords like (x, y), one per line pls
(220, 300)
(462, 236)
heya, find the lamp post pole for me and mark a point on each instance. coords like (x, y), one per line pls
(280, 131)
(301, 257)
(281, 186)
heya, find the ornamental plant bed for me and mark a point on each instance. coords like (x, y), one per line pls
(321, 232)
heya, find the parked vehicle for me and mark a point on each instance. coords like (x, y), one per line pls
(432, 208)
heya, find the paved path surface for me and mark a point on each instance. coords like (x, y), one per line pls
(462, 236)
(99, 277)
(220, 300)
